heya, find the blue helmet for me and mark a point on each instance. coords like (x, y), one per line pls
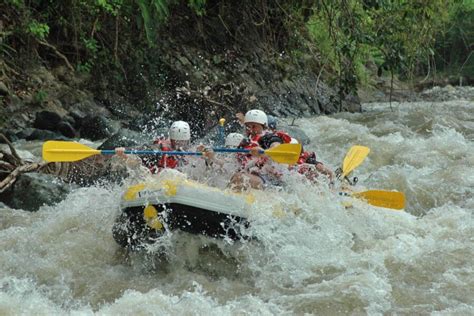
(272, 122)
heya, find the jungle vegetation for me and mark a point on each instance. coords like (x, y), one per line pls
(345, 41)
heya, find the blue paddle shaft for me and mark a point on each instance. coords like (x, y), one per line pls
(152, 152)
(234, 150)
(176, 153)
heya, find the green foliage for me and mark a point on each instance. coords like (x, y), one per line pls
(16, 3)
(339, 30)
(395, 36)
(319, 33)
(454, 47)
(198, 6)
(40, 96)
(85, 67)
(405, 32)
(117, 40)
(38, 30)
(110, 6)
(153, 12)
(91, 45)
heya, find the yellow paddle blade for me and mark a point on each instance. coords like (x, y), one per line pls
(388, 199)
(285, 153)
(59, 151)
(354, 158)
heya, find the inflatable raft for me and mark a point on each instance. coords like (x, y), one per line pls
(172, 202)
(176, 203)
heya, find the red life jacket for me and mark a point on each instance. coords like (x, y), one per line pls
(249, 143)
(284, 136)
(305, 156)
(165, 161)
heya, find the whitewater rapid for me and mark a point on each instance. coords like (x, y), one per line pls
(325, 260)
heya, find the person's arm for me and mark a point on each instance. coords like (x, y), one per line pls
(130, 160)
(270, 140)
(325, 170)
(209, 156)
(240, 118)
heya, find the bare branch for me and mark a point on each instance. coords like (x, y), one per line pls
(68, 64)
(12, 149)
(11, 178)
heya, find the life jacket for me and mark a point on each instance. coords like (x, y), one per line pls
(164, 161)
(263, 140)
(284, 136)
(307, 157)
(306, 165)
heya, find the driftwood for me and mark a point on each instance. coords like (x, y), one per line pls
(13, 166)
(11, 178)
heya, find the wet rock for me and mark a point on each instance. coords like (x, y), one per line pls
(47, 120)
(152, 124)
(33, 190)
(127, 138)
(15, 104)
(3, 89)
(72, 98)
(96, 127)
(41, 75)
(78, 117)
(70, 120)
(10, 135)
(66, 129)
(41, 134)
(25, 133)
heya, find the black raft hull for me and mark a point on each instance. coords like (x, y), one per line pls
(148, 210)
(132, 229)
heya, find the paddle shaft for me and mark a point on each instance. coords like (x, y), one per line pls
(177, 153)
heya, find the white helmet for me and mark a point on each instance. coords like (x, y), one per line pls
(180, 130)
(256, 116)
(294, 141)
(233, 139)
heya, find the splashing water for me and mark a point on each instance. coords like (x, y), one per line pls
(323, 260)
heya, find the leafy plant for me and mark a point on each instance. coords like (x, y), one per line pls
(454, 47)
(38, 30)
(40, 96)
(198, 6)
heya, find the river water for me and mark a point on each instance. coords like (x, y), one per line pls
(326, 260)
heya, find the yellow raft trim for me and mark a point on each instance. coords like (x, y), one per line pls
(132, 192)
(150, 215)
(171, 187)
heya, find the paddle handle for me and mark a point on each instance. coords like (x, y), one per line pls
(221, 140)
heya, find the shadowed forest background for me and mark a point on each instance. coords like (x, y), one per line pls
(186, 59)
